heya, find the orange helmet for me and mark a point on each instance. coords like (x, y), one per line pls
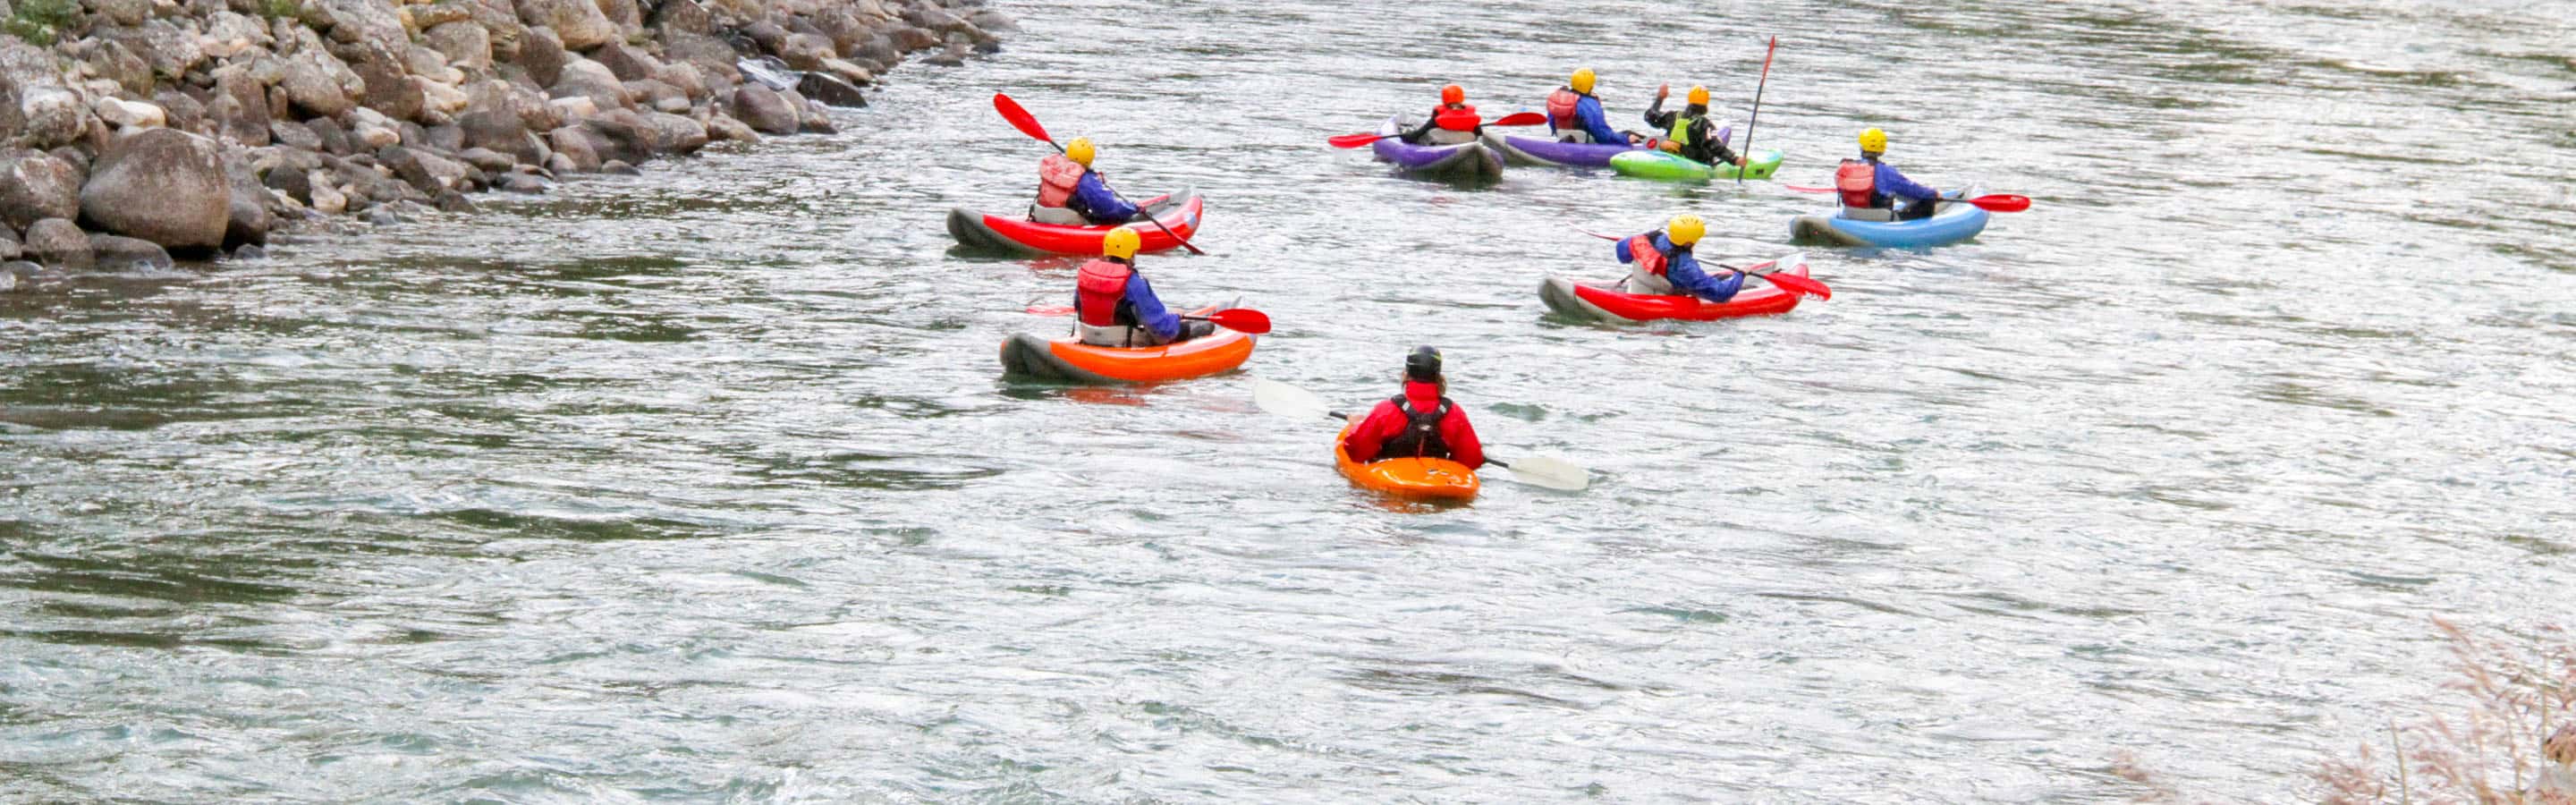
(1453, 94)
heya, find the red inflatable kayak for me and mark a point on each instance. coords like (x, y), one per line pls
(1064, 359)
(1019, 235)
(1605, 302)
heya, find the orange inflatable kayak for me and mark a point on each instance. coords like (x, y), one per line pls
(1427, 478)
(1065, 359)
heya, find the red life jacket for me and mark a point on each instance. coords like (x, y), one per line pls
(1858, 182)
(1057, 176)
(1100, 290)
(1641, 250)
(1462, 118)
(1560, 109)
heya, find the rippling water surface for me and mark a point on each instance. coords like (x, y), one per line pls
(702, 486)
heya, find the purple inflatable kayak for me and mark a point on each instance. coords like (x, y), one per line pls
(1471, 160)
(1540, 151)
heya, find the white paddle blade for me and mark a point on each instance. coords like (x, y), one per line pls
(1553, 473)
(1789, 261)
(1286, 400)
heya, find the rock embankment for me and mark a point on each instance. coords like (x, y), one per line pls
(132, 130)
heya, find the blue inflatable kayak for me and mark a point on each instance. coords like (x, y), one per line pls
(1950, 223)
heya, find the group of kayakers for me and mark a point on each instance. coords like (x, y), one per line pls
(1114, 305)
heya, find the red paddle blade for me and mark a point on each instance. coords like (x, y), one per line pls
(1051, 310)
(1797, 284)
(1242, 320)
(2001, 202)
(1020, 118)
(1520, 119)
(1354, 140)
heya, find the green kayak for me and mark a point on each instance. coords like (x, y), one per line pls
(1676, 168)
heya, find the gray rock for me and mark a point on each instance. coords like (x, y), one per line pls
(628, 62)
(113, 252)
(78, 159)
(993, 20)
(294, 135)
(35, 186)
(691, 83)
(250, 251)
(589, 79)
(578, 23)
(372, 22)
(542, 54)
(386, 87)
(240, 111)
(429, 173)
(488, 160)
(295, 183)
(160, 185)
(954, 56)
(529, 184)
(625, 14)
(806, 51)
(674, 134)
(765, 111)
(425, 17)
(577, 146)
(335, 138)
(10, 248)
(830, 90)
(560, 163)
(320, 84)
(770, 36)
(466, 45)
(127, 13)
(246, 217)
(58, 242)
(446, 138)
(767, 71)
(619, 168)
(725, 127)
(684, 16)
(380, 216)
(452, 201)
(52, 116)
(112, 61)
(622, 135)
(499, 131)
(713, 58)
(657, 96)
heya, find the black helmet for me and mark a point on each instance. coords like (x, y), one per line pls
(1423, 365)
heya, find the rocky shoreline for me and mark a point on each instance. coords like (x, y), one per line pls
(132, 131)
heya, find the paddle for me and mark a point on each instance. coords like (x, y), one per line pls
(1996, 202)
(1296, 403)
(1513, 119)
(1028, 124)
(1757, 103)
(1238, 319)
(1787, 282)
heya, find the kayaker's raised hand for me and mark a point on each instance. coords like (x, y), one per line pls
(1662, 92)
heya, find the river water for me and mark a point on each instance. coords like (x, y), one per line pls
(703, 486)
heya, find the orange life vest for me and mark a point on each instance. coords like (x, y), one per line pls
(1459, 118)
(1858, 182)
(1099, 291)
(1057, 176)
(1560, 109)
(1642, 251)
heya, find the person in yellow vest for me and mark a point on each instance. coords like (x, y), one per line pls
(1072, 194)
(1688, 131)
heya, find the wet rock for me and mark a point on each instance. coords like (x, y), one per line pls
(830, 90)
(58, 242)
(10, 248)
(993, 20)
(53, 116)
(765, 111)
(619, 168)
(429, 173)
(725, 127)
(621, 135)
(674, 134)
(328, 199)
(113, 252)
(577, 146)
(466, 45)
(806, 51)
(35, 186)
(525, 183)
(452, 201)
(954, 56)
(577, 23)
(246, 216)
(250, 251)
(488, 160)
(767, 71)
(560, 163)
(380, 216)
(160, 185)
(501, 132)
(857, 74)
(295, 183)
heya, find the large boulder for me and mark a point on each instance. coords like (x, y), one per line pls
(246, 215)
(387, 88)
(577, 146)
(161, 185)
(240, 108)
(500, 131)
(58, 242)
(629, 62)
(623, 136)
(319, 83)
(542, 55)
(674, 134)
(35, 186)
(830, 90)
(806, 51)
(466, 45)
(430, 173)
(578, 23)
(589, 79)
(766, 111)
(112, 61)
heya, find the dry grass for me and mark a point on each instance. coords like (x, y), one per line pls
(2513, 742)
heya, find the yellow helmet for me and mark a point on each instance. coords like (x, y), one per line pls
(1120, 243)
(1699, 96)
(1080, 151)
(1873, 141)
(1685, 229)
(1582, 81)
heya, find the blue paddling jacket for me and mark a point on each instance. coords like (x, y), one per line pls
(1680, 268)
(1092, 198)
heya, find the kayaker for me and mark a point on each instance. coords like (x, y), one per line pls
(1663, 265)
(1688, 131)
(1072, 194)
(1419, 422)
(1869, 187)
(1575, 116)
(1451, 123)
(1113, 306)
